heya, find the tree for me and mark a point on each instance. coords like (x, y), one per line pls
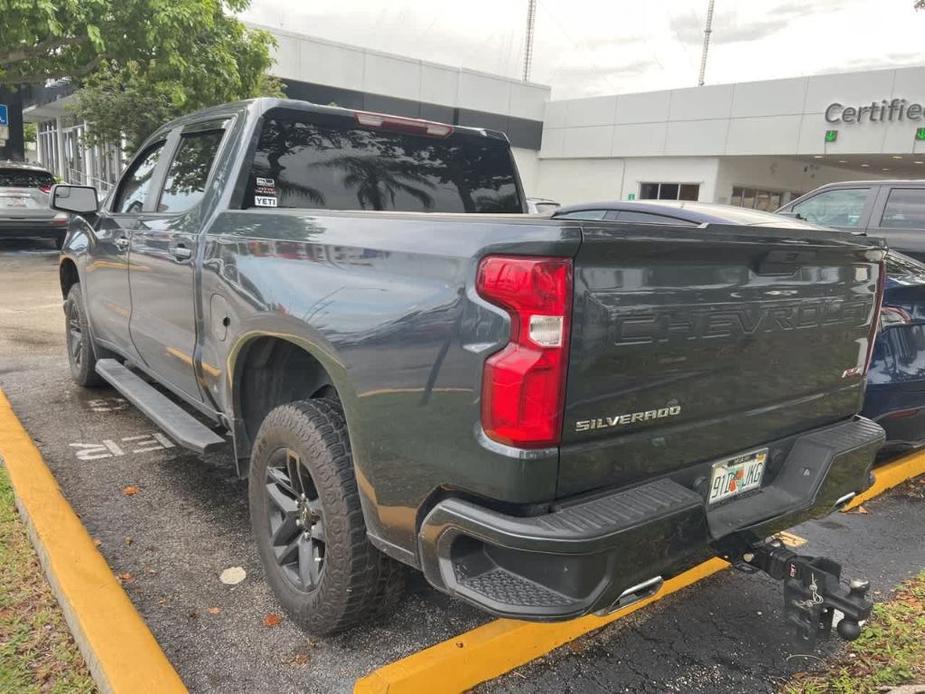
(136, 63)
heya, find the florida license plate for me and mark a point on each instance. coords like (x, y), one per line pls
(737, 475)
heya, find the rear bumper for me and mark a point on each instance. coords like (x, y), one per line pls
(595, 555)
(19, 230)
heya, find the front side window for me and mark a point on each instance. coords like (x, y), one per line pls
(185, 183)
(335, 164)
(905, 209)
(834, 208)
(136, 183)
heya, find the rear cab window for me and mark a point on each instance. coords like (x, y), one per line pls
(325, 161)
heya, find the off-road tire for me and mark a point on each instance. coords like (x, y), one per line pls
(356, 579)
(81, 353)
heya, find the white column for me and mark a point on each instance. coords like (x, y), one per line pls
(59, 145)
(38, 144)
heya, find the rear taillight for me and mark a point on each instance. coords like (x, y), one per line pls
(523, 385)
(892, 316)
(875, 319)
(45, 188)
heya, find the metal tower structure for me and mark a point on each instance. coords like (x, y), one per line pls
(528, 48)
(707, 30)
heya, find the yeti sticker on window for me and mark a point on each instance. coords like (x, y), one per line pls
(265, 192)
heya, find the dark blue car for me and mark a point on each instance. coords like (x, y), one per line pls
(896, 380)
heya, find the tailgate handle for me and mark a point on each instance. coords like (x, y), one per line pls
(784, 262)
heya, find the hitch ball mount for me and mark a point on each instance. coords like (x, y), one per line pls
(813, 591)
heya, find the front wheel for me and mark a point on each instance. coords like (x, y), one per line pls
(80, 353)
(306, 516)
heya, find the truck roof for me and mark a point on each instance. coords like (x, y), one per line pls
(261, 105)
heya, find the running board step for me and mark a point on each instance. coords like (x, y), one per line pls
(176, 422)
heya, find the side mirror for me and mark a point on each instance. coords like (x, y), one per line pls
(791, 214)
(79, 199)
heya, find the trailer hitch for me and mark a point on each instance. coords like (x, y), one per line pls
(813, 591)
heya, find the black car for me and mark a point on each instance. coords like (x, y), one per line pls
(676, 212)
(893, 210)
(895, 395)
(24, 210)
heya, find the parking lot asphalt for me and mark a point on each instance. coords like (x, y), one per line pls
(169, 523)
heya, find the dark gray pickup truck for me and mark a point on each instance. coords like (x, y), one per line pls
(547, 417)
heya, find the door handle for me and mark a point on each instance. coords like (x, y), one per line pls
(121, 243)
(181, 252)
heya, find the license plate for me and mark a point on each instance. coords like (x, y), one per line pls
(737, 475)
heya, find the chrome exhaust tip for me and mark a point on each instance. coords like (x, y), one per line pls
(844, 500)
(635, 593)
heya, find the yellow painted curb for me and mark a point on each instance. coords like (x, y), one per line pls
(122, 654)
(890, 475)
(498, 647)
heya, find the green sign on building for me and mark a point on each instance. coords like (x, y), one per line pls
(831, 135)
(920, 134)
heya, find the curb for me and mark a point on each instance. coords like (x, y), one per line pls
(502, 645)
(121, 652)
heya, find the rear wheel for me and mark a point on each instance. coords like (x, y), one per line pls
(80, 353)
(306, 515)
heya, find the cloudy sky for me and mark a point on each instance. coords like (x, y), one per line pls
(591, 47)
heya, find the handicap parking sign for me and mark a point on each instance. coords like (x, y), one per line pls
(4, 115)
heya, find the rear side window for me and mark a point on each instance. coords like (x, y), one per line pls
(583, 214)
(314, 165)
(649, 218)
(23, 178)
(834, 208)
(186, 178)
(905, 209)
(135, 184)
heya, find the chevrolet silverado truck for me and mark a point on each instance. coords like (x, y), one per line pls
(546, 417)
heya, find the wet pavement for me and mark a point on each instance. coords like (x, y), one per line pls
(188, 522)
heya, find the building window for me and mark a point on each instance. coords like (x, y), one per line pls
(669, 191)
(758, 199)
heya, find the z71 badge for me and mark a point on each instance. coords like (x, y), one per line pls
(630, 418)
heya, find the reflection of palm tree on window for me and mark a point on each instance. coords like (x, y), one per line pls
(280, 138)
(378, 178)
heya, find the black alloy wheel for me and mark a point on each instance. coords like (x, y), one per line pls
(296, 520)
(75, 341)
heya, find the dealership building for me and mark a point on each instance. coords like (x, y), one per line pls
(755, 144)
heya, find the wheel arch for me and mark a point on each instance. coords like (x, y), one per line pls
(267, 371)
(68, 275)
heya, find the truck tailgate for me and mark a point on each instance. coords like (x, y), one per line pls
(692, 344)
